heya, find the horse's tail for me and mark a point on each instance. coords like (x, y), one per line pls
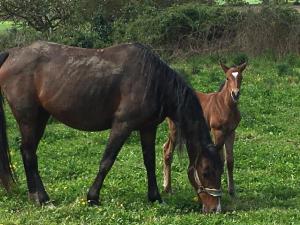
(6, 172)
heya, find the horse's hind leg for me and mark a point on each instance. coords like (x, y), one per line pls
(118, 134)
(148, 147)
(31, 132)
(230, 162)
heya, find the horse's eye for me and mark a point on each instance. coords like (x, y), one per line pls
(206, 174)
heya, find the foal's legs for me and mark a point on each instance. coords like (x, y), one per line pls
(219, 140)
(168, 150)
(118, 134)
(230, 162)
(31, 132)
(148, 147)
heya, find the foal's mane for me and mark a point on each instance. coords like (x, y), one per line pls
(221, 86)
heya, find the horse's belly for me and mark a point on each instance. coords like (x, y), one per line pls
(84, 112)
(84, 120)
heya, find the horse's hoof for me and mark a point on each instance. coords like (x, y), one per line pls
(38, 199)
(93, 202)
(155, 198)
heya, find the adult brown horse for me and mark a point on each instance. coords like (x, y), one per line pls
(122, 88)
(222, 115)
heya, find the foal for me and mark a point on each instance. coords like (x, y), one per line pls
(222, 115)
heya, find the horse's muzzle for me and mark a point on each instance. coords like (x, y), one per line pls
(216, 209)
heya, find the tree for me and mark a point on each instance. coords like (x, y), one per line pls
(44, 16)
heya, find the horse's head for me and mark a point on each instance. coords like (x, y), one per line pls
(205, 176)
(234, 79)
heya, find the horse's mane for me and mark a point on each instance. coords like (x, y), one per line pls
(168, 87)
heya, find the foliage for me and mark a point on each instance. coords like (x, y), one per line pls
(183, 28)
(4, 26)
(179, 26)
(44, 16)
(274, 29)
(15, 37)
(198, 28)
(236, 2)
(266, 158)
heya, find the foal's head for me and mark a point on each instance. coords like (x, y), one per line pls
(234, 79)
(205, 176)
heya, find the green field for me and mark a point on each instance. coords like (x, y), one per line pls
(267, 156)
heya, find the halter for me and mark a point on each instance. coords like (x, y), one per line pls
(201, 189)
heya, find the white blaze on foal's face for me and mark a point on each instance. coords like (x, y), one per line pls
(235, 74)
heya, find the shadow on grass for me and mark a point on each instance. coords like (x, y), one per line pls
(269, 197)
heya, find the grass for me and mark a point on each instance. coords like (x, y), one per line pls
(267, 160)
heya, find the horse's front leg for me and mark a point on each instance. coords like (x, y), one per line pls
(148, 147)
(118, 134)
(230, 162)
(31, 133)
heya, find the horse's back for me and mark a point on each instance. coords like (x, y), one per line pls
(83, 88)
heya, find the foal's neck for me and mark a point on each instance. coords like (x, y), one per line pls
(225, 97)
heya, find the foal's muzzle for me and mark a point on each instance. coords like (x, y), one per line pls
(235, 94)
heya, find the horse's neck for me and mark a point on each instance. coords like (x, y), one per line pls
(196, 126)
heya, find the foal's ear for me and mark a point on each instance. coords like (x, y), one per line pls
(225, 68)
(242, 67)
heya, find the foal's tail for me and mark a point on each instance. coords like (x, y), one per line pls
(6, 172)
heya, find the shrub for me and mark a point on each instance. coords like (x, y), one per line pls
(276, 28)
(17, 37)
(184, 26)
(200, 28)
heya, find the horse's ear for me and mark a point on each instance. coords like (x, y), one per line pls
(225, 68)
(242, 67)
